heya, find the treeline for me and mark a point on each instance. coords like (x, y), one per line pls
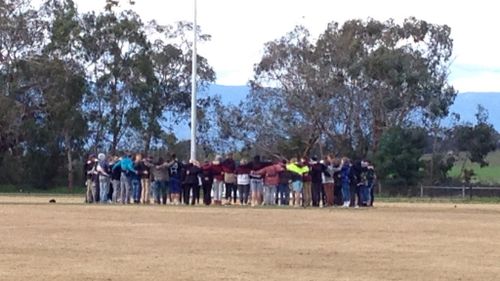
(76, 83)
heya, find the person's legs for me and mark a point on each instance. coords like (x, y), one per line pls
(196, 194)
(315, 193)
(328, 187)
(95, 191)
(128, 190)
(306, 194)
(346, 194)
(88, 196)
(116, 191)
(186, 192)
(372, 194)
(103, 189)
(146, 190)
(246, 193)
(273, 194)
(207, 189)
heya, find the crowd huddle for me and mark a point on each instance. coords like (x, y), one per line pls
(297, 182)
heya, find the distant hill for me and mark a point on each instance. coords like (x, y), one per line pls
(465, 103)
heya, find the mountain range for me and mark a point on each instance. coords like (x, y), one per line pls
(465, 103)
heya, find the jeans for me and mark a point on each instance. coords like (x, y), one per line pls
(365, 194)
(218, 186)
(256, 185)
(346, 193)
(160, 192)
(371, 193)
(231, 191)
(244, 191)
(126, 188)
(136, 190)
(117, 195)
(269, 193)
(284, 194)
(103, 189)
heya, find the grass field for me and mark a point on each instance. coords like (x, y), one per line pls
(394, 241)
(489, 175)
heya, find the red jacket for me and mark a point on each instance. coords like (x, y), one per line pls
(217, 172)
(271, 174)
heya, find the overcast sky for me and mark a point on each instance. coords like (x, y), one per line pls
(239, 29)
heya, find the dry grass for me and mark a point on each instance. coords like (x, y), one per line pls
(391, 242)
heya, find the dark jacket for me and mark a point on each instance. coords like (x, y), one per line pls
(192, 174)
(206, 174)
(317, 169)
(116, 173)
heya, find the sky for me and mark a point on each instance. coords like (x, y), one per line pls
(240, 28)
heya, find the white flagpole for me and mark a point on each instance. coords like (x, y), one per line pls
(194, 87)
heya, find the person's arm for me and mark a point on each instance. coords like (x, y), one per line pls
(101, 170)
(165, 165)
(118, 163)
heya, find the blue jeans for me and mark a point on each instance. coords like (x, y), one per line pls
(365, 194)
(346, 193)
(103, 189)
(284, 194)
(160, 192)
(136, 189)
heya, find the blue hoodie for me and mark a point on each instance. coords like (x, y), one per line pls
(126, 165)
(346, 170)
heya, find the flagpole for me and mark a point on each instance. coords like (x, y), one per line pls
(194, 86)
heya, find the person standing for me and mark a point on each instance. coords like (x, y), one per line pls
(345, 175)
(207, 182)
(104, 178)
(115, 179)
(329, 181)
(256, 182)
(145, 182)
(92, 179)
(192, 182)
(317, 171)
(229, 166)
(175, 170)
(307, 191)
(271, 181)
(160, 174)
(243, 181)
(127, 172)
(371, 177)
(297, 177)
(218, 176)
(284, 186)
(136, 178)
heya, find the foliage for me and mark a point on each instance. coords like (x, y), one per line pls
(398, 159)
(346, 89)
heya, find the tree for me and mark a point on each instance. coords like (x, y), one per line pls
(162, 88)
(113, 44)
(475, 141)
(398, 159)
(355, 82)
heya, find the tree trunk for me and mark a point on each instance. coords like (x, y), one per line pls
(70, 162)
(147, 143)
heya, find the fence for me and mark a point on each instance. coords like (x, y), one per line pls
(460, 191)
